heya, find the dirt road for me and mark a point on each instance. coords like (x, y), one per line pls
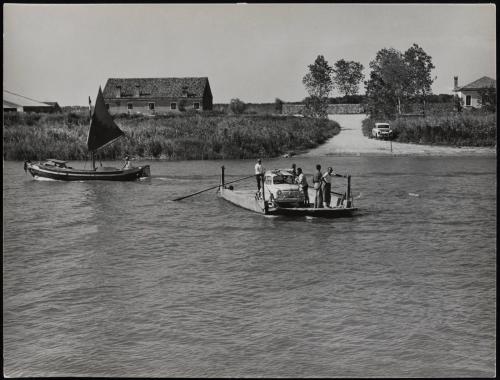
(350, 141)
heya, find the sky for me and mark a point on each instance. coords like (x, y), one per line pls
(254, 52)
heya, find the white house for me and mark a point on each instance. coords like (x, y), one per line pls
(470, 93)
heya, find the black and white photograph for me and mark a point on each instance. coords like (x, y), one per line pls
(249, 190)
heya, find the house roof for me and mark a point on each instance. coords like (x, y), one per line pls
(483, 82)
(53, 104)
(156, 87)
(7, 104)
(15, 100)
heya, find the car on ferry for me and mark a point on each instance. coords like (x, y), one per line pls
(280, 188)
(382, 131)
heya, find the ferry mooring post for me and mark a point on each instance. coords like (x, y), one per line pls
(222, 176)
(348, 196)
(266, 204)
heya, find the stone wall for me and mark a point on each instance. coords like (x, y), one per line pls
(251, 108)
(293, 109)
(345, 108)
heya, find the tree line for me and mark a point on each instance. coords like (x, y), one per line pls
(396, 80)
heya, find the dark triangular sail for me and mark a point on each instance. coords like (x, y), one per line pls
(103, 129)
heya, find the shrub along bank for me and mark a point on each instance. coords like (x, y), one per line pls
(456, 129)
(190, 136)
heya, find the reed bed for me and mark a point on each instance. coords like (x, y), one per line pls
(454, 129)
(211, 135)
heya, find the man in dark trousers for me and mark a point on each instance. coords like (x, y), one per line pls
(317, 182)
(259, 174)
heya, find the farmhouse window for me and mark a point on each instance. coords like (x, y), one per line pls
(151, 106)
(107, 106)
(130, 106)
(173, 106)
(467, 100)
(196, 106)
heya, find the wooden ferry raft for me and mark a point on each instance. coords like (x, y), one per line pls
(341, 204)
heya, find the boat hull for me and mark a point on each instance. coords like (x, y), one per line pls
(40, 171)
(248, 199)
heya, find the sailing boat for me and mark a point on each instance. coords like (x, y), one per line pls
(103, 131)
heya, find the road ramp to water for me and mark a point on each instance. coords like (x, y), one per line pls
(351, 141)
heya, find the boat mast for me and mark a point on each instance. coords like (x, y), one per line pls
(92, 153)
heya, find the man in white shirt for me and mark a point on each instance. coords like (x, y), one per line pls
(127, 163)
(327, 187)
(259, 174)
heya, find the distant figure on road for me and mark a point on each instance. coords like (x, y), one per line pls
(259, 174)
(317, 181)
(327, 187)
(127, 163)
(304, 187)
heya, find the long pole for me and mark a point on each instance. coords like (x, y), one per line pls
(210, 188)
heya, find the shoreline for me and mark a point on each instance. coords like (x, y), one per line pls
(491, 153)
(351, 142)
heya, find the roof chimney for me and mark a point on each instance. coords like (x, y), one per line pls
(455, 83)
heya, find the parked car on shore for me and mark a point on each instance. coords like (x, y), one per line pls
(382, 131)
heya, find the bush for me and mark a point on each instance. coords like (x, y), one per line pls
(236, 106)
(458, 129)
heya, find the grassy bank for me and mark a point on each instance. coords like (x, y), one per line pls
(175, 137)
(453, 129)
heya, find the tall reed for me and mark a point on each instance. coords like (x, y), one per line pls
(187, 136)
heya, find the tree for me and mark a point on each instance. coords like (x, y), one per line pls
(389, 83)
(347, 75)
(419, 65)
(488, 99)
(315, 107)
(236, 106)
(319, 84)
(458, 103)
(278, 105)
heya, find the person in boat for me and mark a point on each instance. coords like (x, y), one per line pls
(259, 174)
(327, 187)
(317, 182)
(127, 163)
(304, 187)
(294, 171)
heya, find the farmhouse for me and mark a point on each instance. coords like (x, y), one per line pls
(157, 95)
(471, 94)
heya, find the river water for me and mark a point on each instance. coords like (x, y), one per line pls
(115, 279)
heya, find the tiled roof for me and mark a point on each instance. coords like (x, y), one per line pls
(156, 87)
(483, 82)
